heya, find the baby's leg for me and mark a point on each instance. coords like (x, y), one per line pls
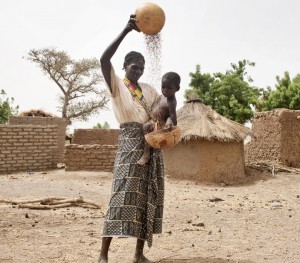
(146, 155)
(147, 127)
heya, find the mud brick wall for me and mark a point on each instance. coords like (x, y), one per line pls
(277, 138)
(96, 136)
(59, 122)
(90, 157)
(27, 148)
(265, 147)
(290, 139)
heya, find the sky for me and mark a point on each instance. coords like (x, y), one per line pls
(211, 33)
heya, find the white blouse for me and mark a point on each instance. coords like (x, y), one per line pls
(125, 108)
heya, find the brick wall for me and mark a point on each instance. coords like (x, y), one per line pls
(277, 138)
(290, 137)
(27, 147)
(90, 157)
(59, 122)
(96, 136)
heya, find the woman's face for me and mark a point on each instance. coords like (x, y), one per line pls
(134, 70)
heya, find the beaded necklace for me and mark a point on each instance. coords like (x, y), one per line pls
(136, 93)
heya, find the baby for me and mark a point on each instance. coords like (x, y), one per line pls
(163, 110)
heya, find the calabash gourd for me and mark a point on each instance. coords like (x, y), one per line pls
(150, 18)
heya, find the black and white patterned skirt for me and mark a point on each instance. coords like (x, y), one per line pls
(137, 198)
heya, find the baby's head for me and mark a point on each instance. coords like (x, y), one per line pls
(170, 84)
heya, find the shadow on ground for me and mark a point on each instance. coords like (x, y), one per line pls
(203, 260)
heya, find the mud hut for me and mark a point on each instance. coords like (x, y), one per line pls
(211, 147)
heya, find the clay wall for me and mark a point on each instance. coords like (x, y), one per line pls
(90, 157)
(206, 161)
(59, 122)
(277, 138)
(96, 136)
(27, 148)
(265, 146)
(290, 138)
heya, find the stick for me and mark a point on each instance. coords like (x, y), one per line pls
(73, 201)
(50, 203)
(45, 207)
(273, 168)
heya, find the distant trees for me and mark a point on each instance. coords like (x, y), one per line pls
(230, 94)
(79, 82)
(6, 107)
(105, 125)
(285, 95)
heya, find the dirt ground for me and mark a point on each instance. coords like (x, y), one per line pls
(256, 221)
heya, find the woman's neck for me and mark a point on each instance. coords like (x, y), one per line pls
(131, 82)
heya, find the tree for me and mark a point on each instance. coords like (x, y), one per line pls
(285, 95)
(230, 94)
(200, 86)
(102, 126)
(79, 82)
(6, 107)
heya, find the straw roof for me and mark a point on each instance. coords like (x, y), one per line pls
(198, 121)
(36, 113)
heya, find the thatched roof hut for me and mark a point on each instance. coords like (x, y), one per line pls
(211, 146)
(198, 121)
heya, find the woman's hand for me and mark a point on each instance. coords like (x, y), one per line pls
(131, 24)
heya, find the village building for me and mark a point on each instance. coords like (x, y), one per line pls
(211, 147)
(277, 139)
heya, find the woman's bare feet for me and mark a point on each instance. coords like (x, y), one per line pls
(141, 259)
(102, 260)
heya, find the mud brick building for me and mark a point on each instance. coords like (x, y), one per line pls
(277, 138)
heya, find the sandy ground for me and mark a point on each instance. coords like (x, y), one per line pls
(257, 221)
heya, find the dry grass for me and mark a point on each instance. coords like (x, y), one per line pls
(197, 120)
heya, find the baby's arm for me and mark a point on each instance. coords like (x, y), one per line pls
(172, 120)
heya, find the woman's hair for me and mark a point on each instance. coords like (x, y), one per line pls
(131, 56)
(173, 77)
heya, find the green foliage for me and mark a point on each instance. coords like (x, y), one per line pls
(79, 82)
(285, 95)
(230, 94)
(6, 107)
(105, 125)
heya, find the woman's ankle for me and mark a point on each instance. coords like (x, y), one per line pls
(103, 259)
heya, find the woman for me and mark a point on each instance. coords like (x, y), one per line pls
(136, 204)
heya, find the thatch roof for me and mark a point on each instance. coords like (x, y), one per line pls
(198, 121)
(36, 113)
